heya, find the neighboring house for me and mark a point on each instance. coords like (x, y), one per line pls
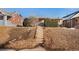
(10, 18)
(71, 20)
(34, 21)
(60, 22)
(41, 21)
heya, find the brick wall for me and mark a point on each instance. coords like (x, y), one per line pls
(16, 19)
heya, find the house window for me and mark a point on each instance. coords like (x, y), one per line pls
(76, 20)
(8, 17)
(1, 17)
(0, 12)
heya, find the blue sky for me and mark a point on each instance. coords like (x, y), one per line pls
(44, 12)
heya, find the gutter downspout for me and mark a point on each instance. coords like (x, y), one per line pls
(5, 20)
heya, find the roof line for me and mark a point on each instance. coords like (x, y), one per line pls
(71, 14)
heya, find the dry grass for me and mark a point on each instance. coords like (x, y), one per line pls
(22, 44)
(21, 38)
(4, 35)
(3, 38)
(61, 39)
(18, 37)
(54, 38)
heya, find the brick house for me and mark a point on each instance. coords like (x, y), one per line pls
(10, 18)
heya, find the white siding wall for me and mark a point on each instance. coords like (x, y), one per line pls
(1, 22)
(5, 22)
(8, 23)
